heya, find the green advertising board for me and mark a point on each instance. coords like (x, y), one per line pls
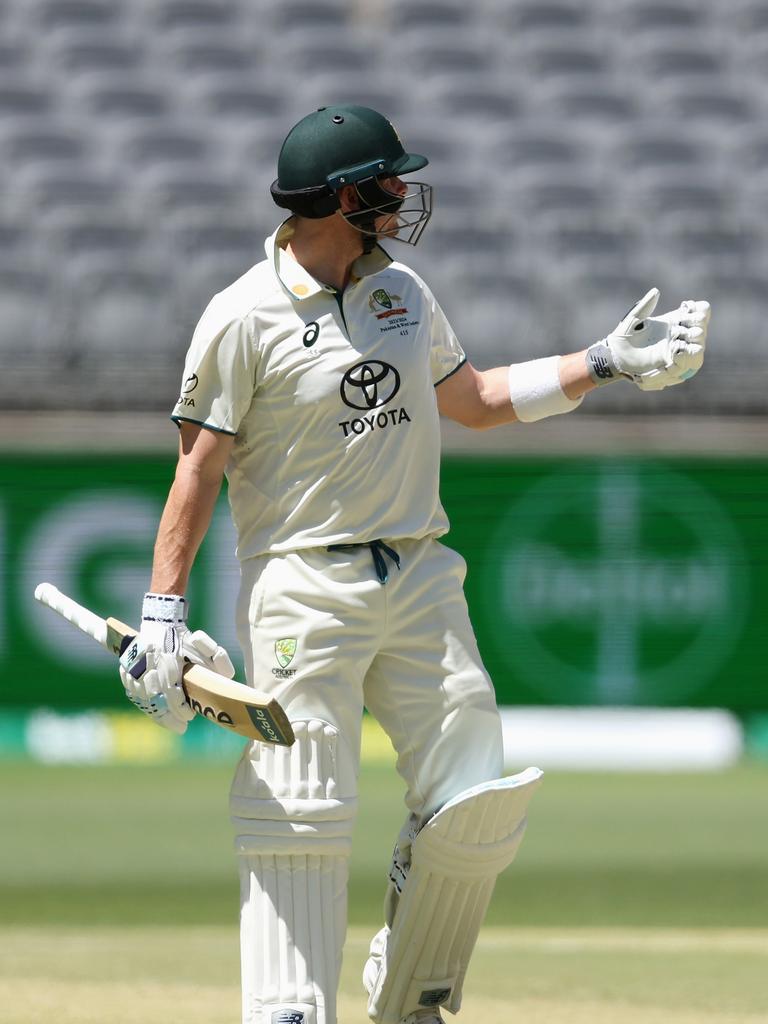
(590, 581)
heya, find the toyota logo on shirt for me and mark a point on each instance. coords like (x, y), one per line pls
(369, 385)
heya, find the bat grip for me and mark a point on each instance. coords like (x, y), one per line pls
(73, 612)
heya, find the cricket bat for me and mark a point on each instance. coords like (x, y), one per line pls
(234, 706)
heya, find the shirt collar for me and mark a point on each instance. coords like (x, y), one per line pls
(297, 281)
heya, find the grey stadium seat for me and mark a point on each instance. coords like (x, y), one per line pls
(470, 239)
(64, 15)
(659, 16)
(124, 340)
(402, 15)
(56, 191)
(526, 149)
(711, 248)
(18, 242)
(439, 53)
(201, 57)
(306, 16)
(101, 51)
(179, 193)
(208, 237)
(22, 97)
(700, 101)
(475, 100)
(165, 143)
(559, 197)
(678, 196)
(574, 249)
(500, 318)
(662, 62)
(16, 52)
(530, 17)
(26, 315)
(29, 147)
(649, 146)
(248, 102)
(750, 150)
(178, 15)
(125, 312)
(119, 96)
(449, 193)
(567, 62)
(311, 58)
(85, 246)
(596, 299)
(601, 103)
(748, 19)
(739, 301)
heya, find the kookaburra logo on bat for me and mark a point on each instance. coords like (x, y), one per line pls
(208, 712)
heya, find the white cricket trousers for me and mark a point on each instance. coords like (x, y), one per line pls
(322, 633)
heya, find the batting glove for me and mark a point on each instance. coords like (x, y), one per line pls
(653, 352)
(152, 666)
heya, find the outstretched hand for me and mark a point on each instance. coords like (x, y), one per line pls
(653, 352)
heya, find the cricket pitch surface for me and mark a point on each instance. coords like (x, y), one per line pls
(152, 975)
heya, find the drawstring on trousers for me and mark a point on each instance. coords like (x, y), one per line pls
(378, 550)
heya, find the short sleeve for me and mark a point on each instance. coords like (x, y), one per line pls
(446, 354)
(219, 375)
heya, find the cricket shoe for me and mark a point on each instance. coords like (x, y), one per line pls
(423, 1017)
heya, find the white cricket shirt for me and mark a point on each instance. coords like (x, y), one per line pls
(331, 400)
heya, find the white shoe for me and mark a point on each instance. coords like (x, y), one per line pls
(423, 1017)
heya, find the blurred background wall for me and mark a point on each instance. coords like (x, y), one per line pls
(581, 151)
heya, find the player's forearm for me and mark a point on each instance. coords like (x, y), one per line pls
(495, 406)
(574, 375)
(185, 520)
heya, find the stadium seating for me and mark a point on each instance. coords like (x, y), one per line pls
(571, 171)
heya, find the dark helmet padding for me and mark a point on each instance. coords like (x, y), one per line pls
(312, 203)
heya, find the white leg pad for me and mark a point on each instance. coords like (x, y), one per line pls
(420, 960)
(293, 811)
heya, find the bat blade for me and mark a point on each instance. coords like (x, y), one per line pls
(234, 706)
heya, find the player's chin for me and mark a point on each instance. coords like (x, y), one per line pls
(387, 226)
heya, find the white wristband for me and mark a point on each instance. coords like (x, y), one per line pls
(535, 392)
(160, 611)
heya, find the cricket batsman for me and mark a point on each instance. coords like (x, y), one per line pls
(316, 382)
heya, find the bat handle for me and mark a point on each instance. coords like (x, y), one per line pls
(73, 612)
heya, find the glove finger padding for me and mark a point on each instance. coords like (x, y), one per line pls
(698, 307)
(163, 679)
(152, 681)
(202, 649)
(687, 359)
(657, 380)
(131, 685)
(639, 311)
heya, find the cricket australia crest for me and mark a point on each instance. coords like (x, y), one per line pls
(285, 650)
(380, 299)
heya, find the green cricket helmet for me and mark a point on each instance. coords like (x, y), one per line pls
(345, 145)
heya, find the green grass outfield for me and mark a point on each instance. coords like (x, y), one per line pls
(634, 898)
